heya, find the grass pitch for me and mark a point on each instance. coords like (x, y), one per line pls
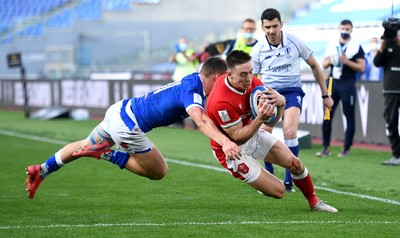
(90, 198)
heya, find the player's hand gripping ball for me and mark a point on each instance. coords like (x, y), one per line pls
(255, 100)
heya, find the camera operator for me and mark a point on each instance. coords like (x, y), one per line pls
(388, 57)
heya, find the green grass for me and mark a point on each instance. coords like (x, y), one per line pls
(89, 198)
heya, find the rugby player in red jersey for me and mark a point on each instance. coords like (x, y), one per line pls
(228, 106)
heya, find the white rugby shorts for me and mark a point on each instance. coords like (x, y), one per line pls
(131, 141)
(248, 168)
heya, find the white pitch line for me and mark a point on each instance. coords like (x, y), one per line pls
(197, 224)
(204, 166)
(359, 195)
(317, 187)
(33, 137)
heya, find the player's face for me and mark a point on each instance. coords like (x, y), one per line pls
(272, 30)
(241, 76)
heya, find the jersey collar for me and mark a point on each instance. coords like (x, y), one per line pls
(232, 88)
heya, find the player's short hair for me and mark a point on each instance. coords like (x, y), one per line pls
(213, 65)
(270, 14)
(346, 22)
(237, 57)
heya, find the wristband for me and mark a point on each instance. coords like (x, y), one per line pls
(328, 95)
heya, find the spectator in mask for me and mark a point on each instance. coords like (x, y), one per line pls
(246, 41)
(372, 73)
(185, 59)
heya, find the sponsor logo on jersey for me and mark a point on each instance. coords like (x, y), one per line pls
(197, 99)
(280, 68)
(167, 86)
(287, 50)
(224, 116)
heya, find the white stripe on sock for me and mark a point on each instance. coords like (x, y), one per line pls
(300, 176)
(292, 142)
(58, 158)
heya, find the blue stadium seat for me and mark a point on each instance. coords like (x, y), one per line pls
(61, 19)
(89, 10)
(16, 11)
(331, 13)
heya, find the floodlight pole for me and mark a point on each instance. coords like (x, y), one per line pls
(23, 80)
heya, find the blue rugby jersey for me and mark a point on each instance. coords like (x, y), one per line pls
(168, 104)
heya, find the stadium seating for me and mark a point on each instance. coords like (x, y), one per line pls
(26, 18)
(34, 19)
(14, 12)
(332, 12)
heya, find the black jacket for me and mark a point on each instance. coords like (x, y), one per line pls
(389, 59)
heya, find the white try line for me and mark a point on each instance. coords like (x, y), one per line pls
(197, 224)
(204, 166)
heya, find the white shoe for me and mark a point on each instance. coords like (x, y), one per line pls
(396, 162)
(393, 161)
(323, 207)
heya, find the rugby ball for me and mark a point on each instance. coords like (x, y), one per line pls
(335, 56)
(255, 99)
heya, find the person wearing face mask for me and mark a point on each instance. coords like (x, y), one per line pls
(372, 73)
(246, 41)
(185, 59)
(344, 58)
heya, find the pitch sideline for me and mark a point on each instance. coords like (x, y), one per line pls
(204, 166)
(198, 224)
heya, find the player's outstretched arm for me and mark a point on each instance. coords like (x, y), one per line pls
(208, 128)
(319, 77)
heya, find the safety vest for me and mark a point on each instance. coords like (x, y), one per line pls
(240, 44)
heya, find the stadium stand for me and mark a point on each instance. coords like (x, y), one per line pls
(317, 23)
(58, 22)
(31, 26)
(328, 13)
(13, 13)
(25, 18)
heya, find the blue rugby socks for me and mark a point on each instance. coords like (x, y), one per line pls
(52, 164)
(269, 167)
(116, 157)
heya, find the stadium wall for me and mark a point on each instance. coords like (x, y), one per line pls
(97, 95)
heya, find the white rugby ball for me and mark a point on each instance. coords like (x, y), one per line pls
(335, 56)
(255, 98)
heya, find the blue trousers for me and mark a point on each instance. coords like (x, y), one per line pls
(347, 95)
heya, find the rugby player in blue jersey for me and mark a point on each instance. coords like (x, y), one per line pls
(276, 58)
(126, 122)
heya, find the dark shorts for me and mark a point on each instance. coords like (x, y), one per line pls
(294, 97)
